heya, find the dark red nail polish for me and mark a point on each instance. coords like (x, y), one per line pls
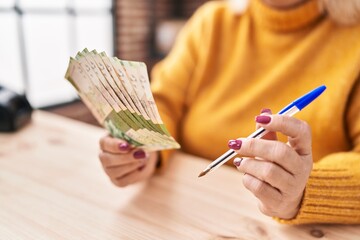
(123, 146)
(266, 110)
(235, 144)
(139, 154)
(237, 162)
(263, 119)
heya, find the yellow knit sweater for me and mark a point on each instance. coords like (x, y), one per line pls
(226, 67)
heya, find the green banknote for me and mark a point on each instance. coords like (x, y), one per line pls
(118, 95)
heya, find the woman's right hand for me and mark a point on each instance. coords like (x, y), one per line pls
(124, 164)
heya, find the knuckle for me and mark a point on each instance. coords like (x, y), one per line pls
(304, 126)
(269, 171)
(282, 122)
(102, 143)
(251, 144)
(279, 150)
(103, 157)
(246, 181)
(258, 188)
(109, 144)
(110, 172)
(265, 210)
(291, 184)
(120, 183)
(120, 172)
(305, 129)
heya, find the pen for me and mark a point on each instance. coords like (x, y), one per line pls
(289, 110)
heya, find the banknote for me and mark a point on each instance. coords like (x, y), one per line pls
(135, 96)
(118, 94)
(107, 80)
(98, 80)
(98, 104)
(129, 79)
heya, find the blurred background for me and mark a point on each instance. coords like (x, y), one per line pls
(39, 36)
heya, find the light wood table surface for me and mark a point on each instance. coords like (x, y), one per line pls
(52, 186)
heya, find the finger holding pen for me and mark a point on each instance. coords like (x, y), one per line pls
(276, 173)
(288, 111)
(268, 136)
(265, 112)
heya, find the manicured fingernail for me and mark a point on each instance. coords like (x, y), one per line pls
(266, 110)
(235, 144)
(123, 146)
(139, 154)
(141, 168)
(237, 162)
(263, 119)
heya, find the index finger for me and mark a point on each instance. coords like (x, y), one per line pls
(274, 151)
(114, 145)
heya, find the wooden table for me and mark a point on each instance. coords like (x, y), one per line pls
(52, 186)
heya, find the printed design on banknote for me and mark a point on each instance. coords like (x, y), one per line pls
(118, 94)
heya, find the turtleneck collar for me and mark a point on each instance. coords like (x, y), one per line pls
(286, 19)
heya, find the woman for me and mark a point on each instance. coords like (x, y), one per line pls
(225, 66)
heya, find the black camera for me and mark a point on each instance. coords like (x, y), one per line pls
(15, 110)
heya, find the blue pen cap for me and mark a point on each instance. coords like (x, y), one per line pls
(303, 101)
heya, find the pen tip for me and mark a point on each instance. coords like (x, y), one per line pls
(203, 173)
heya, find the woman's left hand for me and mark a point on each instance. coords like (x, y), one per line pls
(276, 172)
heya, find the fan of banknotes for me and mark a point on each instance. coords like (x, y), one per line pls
(118, 94)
